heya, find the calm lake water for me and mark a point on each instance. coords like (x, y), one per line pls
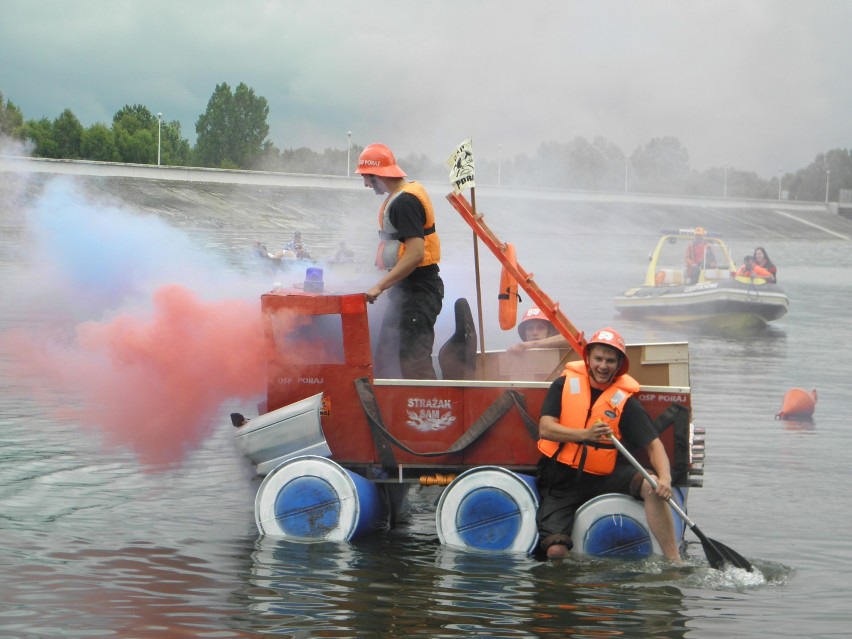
(96, 543)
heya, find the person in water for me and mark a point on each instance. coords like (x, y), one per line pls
(698, 256)
(292, 250)
(761, 258)
(751, 269)
(592, 400)
(295, 246)
(409, 253)
(344, 253)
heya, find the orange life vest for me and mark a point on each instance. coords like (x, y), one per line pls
(597, 458)
(756, 271)
(390, 247)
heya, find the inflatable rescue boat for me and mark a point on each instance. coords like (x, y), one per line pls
(715, 298)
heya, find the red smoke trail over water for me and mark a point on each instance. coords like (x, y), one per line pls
(123, 325)
(155, 384)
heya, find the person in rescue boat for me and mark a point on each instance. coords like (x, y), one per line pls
(699, 256)
(591, 400)
(761, 258)
(751, 269)
(409, 253)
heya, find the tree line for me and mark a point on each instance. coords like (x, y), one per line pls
(232, 133)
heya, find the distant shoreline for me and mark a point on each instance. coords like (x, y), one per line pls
(23, 164)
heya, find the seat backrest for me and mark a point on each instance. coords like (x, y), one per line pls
(457, 357)
(712, 274)
(669, 277)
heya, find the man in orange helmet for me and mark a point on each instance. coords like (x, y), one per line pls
(534, 326)
(537, 331)
(409, 252)
(590, 401)
(699, 256)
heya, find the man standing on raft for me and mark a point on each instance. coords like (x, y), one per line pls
(590, 401)
(409, 252)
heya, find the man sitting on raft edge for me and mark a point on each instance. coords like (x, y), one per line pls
(590, 401)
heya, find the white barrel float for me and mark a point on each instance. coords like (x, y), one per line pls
(614, 525)
(489, 508)
(311, 498)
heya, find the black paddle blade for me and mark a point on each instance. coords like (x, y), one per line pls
(718, 554)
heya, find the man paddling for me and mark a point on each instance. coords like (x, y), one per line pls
(590, 401)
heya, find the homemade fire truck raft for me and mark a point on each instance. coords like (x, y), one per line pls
(339, 448)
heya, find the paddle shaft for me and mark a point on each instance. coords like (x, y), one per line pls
(650, 479)
(717, 553)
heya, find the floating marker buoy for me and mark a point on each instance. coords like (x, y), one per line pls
(799, 404)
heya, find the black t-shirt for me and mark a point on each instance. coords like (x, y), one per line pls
(635, 425)
(408, 217)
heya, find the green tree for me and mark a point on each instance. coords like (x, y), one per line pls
(135, 133)
(829, 172)
(99, 144)
(233, 129)
(41, 134)
(11, 120)
(661, 164)
(134, 118)
(175, 150)
(68, 135)
(598, 164)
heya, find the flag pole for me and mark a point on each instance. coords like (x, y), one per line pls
(476, 269)
(462, 177)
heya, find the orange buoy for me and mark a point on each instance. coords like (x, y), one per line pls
(508, 292)
(799, 404)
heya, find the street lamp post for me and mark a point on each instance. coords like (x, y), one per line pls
(827, 175)
(159, 136)
(349, 153)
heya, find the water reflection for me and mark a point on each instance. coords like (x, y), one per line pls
(388, 585)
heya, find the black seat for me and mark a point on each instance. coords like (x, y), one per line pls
(457, 357)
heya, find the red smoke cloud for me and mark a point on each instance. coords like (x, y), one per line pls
(153, 384)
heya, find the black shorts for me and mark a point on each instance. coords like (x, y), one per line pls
(562, 490)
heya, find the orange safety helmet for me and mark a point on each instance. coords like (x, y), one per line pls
(609, 337)
(533, 313)
(699, 231)
(377, 159)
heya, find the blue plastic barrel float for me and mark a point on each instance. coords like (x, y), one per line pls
(614, 525)
(311, 498)
(489, 508)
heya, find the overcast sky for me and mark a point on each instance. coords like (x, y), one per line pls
(754, 84)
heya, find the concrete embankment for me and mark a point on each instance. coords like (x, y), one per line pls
(250, 205)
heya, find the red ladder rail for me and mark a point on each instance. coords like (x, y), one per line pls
(524, 278)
